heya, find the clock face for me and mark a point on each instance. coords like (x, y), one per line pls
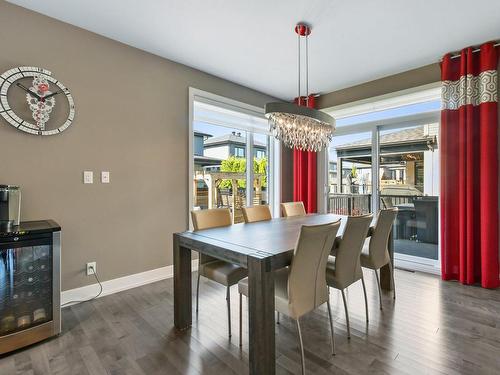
(33, 101)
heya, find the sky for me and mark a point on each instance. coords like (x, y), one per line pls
(391, 113)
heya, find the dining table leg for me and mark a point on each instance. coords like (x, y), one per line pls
(262, 347)
(386, 271)
(182, 286)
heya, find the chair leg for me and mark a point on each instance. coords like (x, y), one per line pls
(379, 291)
(241, 320)
(392, 276)
(197, 292)
(346, 315)
(331, 327)
(366, 299)
(228, 299)
(277, 318)
(301, 349)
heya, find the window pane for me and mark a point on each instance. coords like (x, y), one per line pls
(239, 152)
(404, 110)
(409, 180)
(261, 170)
(349, 174)
(219, 168)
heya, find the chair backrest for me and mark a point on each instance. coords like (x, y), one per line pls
(387, 202)
(380, 236)
(293, 209)
(307, 279)
(213, 218)
(256, 213)
(347, 262)
(206, 219)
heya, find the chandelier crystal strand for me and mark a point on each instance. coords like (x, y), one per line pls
(299, 126)
(300, 132)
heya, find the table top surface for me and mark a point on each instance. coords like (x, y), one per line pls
(262, 239)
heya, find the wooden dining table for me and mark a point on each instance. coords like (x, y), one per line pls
(262, 248)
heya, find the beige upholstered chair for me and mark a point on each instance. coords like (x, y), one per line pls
(345, 269)
(293, 209)
(301, 288)
(214, 218)
(376, 255)
(256, 213)
(212, 268)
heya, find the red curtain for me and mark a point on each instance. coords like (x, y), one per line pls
(469, 168)
(304, 169)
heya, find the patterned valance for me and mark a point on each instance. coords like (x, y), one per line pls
(470, 89)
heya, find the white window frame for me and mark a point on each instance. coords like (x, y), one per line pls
(391, 100)
(274, 152)
(379, 103)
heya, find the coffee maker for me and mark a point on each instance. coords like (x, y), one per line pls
(10, 207)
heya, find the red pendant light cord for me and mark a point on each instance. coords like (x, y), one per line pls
(304, 162)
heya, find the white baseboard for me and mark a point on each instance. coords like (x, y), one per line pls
(120, 284)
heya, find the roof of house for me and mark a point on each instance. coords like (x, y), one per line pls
(197, 133)
(411, 135)
(229, 138)
(206, 160)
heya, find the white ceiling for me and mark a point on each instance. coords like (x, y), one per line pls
(252, 42)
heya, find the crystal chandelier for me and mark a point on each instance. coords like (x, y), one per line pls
(299, 126)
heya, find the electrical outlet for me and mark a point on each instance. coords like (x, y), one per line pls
(91, 268)
(105, 177)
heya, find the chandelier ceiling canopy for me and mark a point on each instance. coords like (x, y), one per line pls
(297, 126)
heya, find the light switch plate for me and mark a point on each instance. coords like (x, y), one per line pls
(105, 177)
(88, 177)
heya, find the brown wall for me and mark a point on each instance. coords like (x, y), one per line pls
(131, 119)
(412, 78)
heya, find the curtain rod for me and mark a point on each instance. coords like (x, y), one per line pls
(456, 54)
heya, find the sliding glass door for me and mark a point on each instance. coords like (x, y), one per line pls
(386, 159)
(409, 180)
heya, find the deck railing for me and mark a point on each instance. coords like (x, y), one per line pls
(349, 204)
(360, 204)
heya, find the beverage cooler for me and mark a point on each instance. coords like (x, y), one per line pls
(29, 284)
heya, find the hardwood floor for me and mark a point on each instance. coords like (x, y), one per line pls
(433, 327)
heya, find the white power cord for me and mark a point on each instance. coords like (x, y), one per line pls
(90, 299)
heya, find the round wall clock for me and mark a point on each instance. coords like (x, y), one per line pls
(33, 101)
